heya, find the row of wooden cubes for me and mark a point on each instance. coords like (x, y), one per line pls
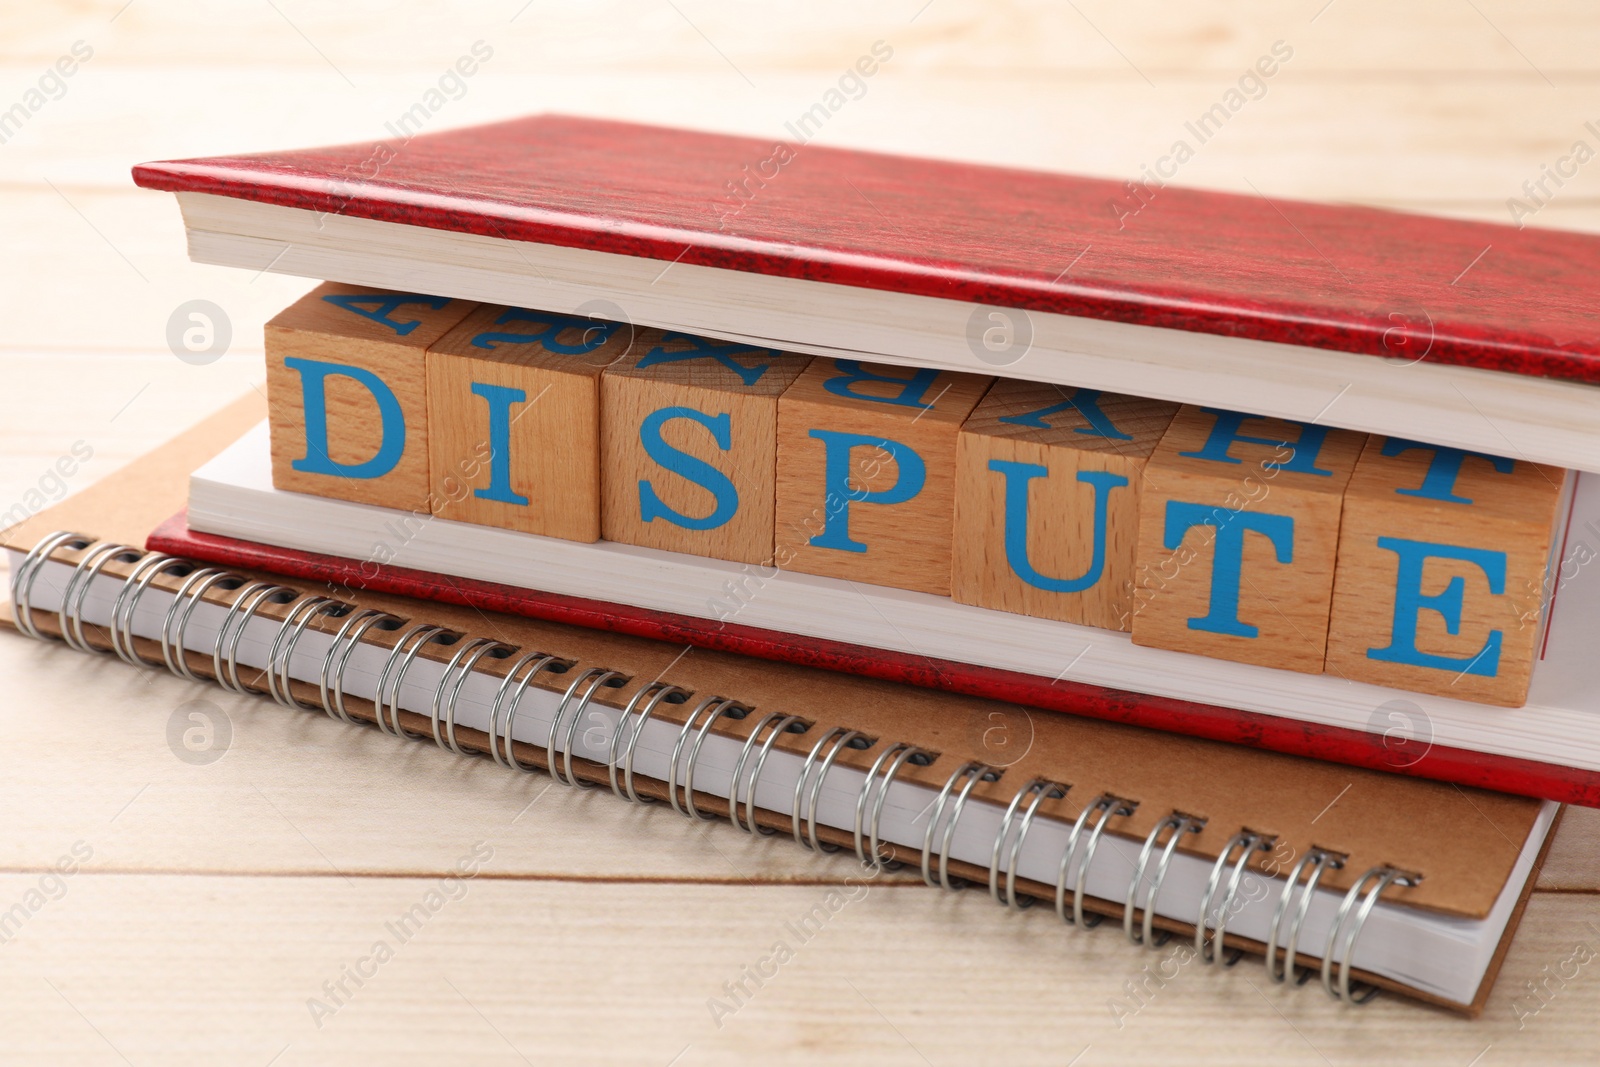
(1250, 539)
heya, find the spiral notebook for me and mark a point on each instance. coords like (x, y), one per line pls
(1364, 880)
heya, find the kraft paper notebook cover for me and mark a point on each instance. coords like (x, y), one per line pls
(1081, 815)
(1469, 334)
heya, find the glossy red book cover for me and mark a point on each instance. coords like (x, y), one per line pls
(1358, 748)
(1353, 279)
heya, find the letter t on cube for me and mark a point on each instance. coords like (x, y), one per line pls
(347, 392)
(1238, 532)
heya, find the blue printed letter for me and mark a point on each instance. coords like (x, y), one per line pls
(499, 398)
(1017, 476)
(703, 348)
(1087, 403)
(392, 442)
(379, 306)
(1409, 601)
(836, 483)
(701, 473)
(1225, 432)
(911, 391)
(1227, 561)
(1440, 481)
(592, 334)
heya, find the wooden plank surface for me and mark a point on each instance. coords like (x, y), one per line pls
(259, 789)
(218, 897)
(177, 970)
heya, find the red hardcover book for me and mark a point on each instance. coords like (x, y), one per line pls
(1461, 333)
(1377, 749)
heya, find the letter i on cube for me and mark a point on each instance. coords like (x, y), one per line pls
(689, 444)
(1047, 500)
(866, 472)
(514, 419)
(1444, 575)
(347, 392)
(1238, 531)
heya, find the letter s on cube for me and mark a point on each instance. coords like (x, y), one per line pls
(347, 394)
(688, 444)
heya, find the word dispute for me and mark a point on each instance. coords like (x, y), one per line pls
(1216, 532)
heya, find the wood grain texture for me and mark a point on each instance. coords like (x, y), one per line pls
(378, 333)
(1574, 860)
(1048, 427)
(1238, 538)
(236, 802)
(713, 402)
(1477, 619)
(551, 419)
(887, 521)
(506, 971)
(1436, 112)
(1212, 37)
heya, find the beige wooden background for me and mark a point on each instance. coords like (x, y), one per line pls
(218, 899)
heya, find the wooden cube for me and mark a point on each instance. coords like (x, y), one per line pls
(1238, 533)
(1443, 558)
(688, 439)
(347, 392)
(514, 420)
(866, 472)
(1047, 500)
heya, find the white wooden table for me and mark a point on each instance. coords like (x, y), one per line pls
(212, 904)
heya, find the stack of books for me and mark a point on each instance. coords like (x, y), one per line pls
(1221, 571)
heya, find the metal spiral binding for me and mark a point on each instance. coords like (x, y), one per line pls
(175, 625)
(890, 760)
(595, 677)
(287, 639)
(127, 602)
(225, 668)
(1159, 845)
(1039, 790)
(1318, 860)
(330, 681)
(70, 617)
(840, 739)
(387, 693)
(973, 773)
(1368, 888)
(502, 752)
(28, 572)
(1179, 824)
(715, 708)
(460, 665)
(781, 724)
(1104, 808)
(645, 700)
(1246, 842)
